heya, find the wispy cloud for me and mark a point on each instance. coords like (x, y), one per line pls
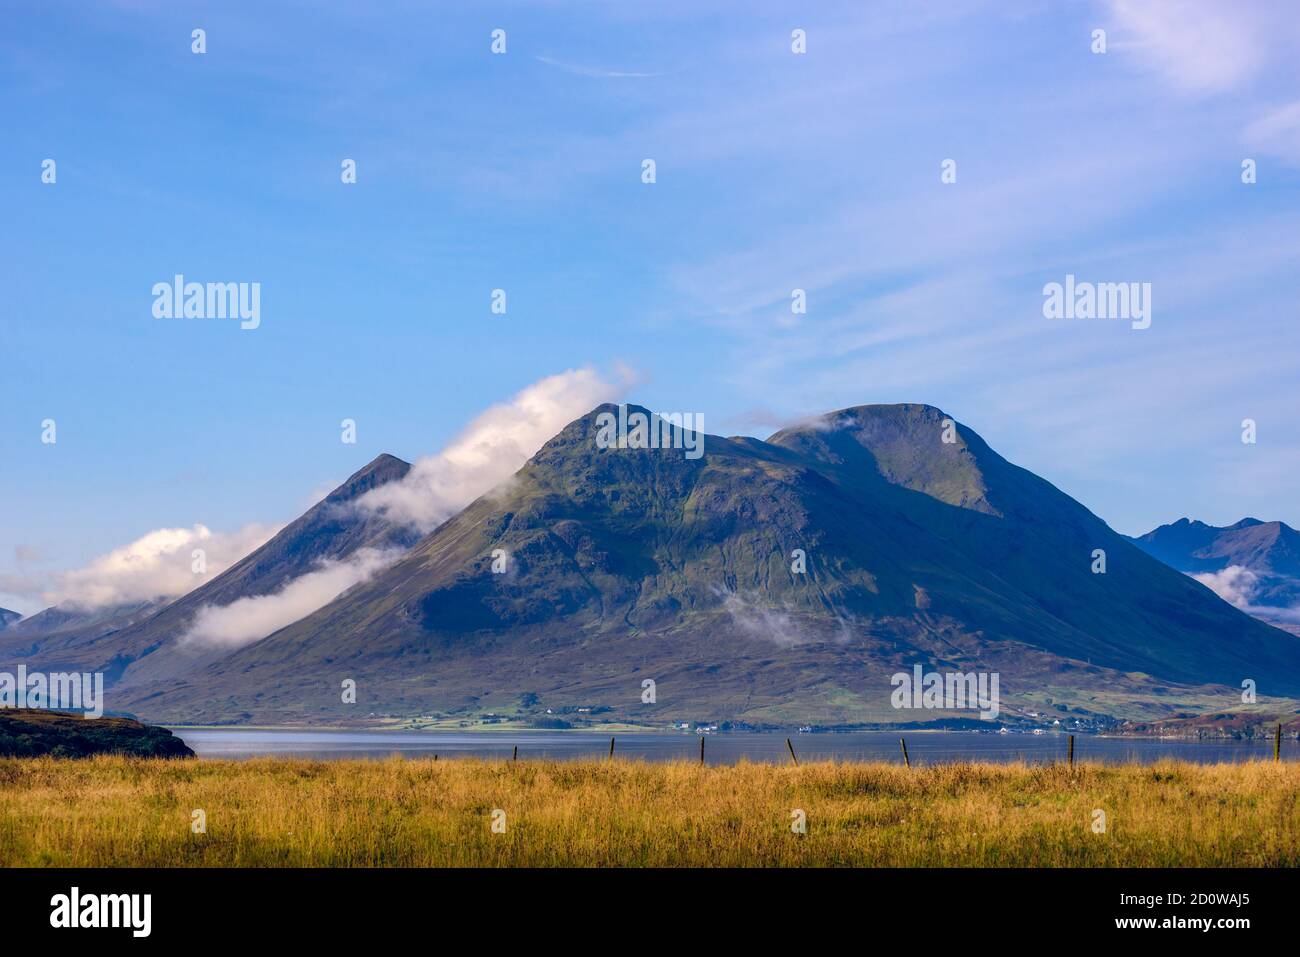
(492, 447)
(1201, 46)
(1277, 133)
(250, 619)
(594, 72)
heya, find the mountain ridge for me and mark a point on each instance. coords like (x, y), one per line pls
(1252, 563)
(922, 544)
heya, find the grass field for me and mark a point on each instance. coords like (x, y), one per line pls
(114, 811)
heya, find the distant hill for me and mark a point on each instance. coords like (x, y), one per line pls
(34, 733)
(67, 621)
(8, 618)
(1255, 564)
(143, 637)
(634, 564)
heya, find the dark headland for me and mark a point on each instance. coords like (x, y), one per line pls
(33, 733)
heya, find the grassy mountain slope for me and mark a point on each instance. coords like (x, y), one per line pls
(634, 564)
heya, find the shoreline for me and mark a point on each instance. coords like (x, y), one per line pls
(617, 730)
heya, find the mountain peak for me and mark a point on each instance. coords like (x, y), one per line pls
(1269, 550)
(901, 415)
(581, 436)
(910, 445)
(918, 410)
(381, 470)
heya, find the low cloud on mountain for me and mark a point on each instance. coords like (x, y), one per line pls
(492, 448)
(159, 565)
(250, 619)
(1234, 584)
(1237, 585)
(489, 450)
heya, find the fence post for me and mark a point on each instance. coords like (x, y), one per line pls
(906, 759)
(611, 747)
(701, 749)
(516, 757)
(792, 757)
(1071, 750)
(1277, 744)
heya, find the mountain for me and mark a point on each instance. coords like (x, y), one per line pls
(8, 618)
(66, 625)
(631, 564)
(145, 643)
(1255, 564)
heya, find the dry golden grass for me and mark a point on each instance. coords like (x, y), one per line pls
(113, 811)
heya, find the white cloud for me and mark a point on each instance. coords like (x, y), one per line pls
(157, 565)
(250, 619)
(1239, 53)
(1237, 585)
(1199, 46)
(492, 448)
(1234, 584)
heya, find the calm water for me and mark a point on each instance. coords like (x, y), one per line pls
(924, 748)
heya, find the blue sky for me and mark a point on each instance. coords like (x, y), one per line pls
(522, 171)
